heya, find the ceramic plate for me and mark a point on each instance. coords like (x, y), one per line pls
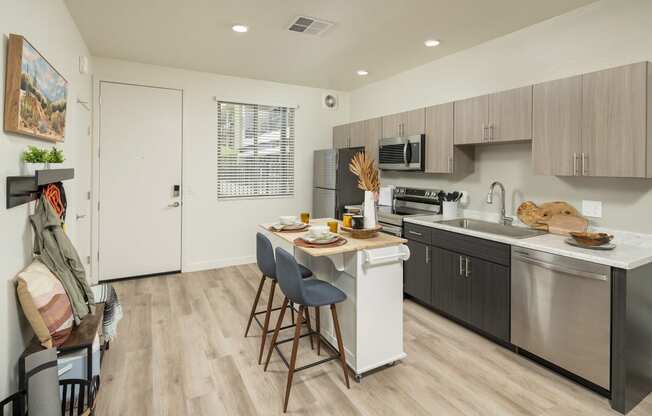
(608, 246)
(321, 240)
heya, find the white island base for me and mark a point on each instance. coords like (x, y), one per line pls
(371, 318)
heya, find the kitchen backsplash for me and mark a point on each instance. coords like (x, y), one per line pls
(626, 203)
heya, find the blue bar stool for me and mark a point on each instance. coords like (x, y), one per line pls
(267, 265)
(306, 293)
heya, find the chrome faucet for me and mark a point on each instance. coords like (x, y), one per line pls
(490, 199)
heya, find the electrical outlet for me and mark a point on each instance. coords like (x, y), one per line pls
(592, 209)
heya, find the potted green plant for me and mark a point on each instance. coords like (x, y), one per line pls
(54, 158)
(34, 159)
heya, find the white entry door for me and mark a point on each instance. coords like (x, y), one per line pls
(140, 179)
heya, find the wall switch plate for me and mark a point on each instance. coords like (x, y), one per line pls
(592, 209)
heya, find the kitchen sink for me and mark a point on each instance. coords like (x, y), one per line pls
(493, 228)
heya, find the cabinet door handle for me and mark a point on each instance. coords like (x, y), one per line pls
(427, 254)
(585, 159)
(450, 165)
(415, 233)
(575, 164)
(461, 266)
(484, 132)
(491, 132)
(468, 267)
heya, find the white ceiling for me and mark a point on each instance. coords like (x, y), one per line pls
(384, 37)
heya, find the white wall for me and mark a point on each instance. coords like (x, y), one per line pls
(602, 35)
(222, 233)
(50, 29)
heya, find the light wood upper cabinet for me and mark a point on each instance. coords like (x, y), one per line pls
(391, 125)
(441, 154)
(594, 124)
(510, 115)
(358, 134)
(414, 122)
(471, 120)
(614, 122)
(408, 123)
(341, 136)
(557, 124)
(373, 129)
(500, 117)
(365, 133)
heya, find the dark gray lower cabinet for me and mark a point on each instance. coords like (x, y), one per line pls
(469, 285)
(489, 298)
(416, 272)
(450, 289)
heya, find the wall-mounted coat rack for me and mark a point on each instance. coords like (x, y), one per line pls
(24, 189)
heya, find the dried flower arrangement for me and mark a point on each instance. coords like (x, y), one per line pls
(365, 169)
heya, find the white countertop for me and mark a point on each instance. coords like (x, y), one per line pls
(632, 250)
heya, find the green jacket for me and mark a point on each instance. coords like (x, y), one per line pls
(56, 251)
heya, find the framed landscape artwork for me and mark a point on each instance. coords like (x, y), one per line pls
(35, 93)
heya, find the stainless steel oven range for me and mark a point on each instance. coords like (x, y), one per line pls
(407, 202)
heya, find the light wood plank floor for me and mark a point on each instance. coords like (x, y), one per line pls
(181, 351)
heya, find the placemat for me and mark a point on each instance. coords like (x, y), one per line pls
(296, 230)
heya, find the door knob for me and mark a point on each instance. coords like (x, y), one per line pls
(174, 205)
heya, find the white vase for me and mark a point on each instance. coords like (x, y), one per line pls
(29, 169)
(369, 210)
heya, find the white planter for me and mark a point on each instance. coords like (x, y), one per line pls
(53, 165)
(29, 169)
(369, 210)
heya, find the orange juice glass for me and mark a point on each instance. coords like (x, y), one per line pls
(332, 225)
(347, 220)
(305, 217)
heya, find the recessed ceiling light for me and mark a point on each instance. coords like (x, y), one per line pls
(362, 72)
(431, 43)
(240, 28)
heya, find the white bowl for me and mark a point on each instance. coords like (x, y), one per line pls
(319, 231)
(287, 219)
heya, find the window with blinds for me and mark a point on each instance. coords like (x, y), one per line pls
(255, 150)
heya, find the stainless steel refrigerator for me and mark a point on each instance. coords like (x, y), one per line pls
(334, 186)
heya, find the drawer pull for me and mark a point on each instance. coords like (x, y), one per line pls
(415, 233)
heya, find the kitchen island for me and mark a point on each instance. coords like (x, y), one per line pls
(370, 272)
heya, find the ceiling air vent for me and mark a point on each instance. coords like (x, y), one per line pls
(310, 26)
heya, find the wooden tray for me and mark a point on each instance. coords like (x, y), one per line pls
(362, 233)
(300, 242)
(292, 230)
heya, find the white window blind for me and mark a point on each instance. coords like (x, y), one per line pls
(255, 150)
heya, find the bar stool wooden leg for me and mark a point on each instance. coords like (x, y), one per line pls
(276, 331)
(340, 345)
(317, 325)
(270, 301)
(293, 360)
(312, 345)
(255, 305)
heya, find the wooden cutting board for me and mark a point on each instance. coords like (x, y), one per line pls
(557, 217)
(566, 224)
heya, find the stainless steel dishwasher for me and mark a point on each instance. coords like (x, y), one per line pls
(561, 312)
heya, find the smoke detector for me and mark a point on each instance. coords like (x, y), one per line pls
(310, 26)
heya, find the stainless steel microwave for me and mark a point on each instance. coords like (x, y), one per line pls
(402, 153)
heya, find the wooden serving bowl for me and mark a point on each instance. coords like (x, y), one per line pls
(591, 239)
(362, 233)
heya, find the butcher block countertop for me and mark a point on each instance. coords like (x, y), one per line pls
(353, 244)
